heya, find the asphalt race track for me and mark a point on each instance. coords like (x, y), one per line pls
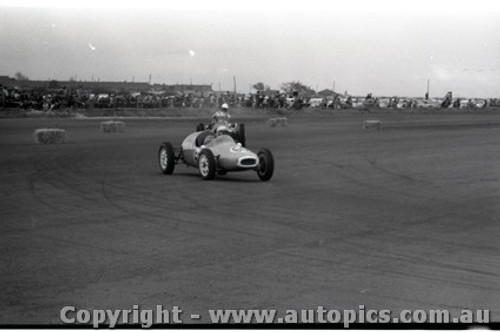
(403, 218)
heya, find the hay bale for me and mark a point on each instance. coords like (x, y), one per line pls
(278, 121)
(35, 114)
(283, 121)
(112, 126)
(271, 122)
(39, 114)
(50, 135)
(372, 124)
(79, 115)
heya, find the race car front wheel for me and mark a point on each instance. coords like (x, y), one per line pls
(166, 158)
(207, 165)
(265, 169)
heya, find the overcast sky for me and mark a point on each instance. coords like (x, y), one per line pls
(365, 47)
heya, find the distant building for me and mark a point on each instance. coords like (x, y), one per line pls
(328, 93)
(200, 90)
(109, 86)
(91, 85)
(7, 81)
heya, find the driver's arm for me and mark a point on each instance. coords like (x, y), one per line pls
(214, 118)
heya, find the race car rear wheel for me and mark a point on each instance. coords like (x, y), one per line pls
(265, 169)
(166, 158)
(207, 165)
(241, 135)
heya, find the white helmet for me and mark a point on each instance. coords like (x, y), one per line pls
(225, 106)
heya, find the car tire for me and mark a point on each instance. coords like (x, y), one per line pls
(200, 127)
(241, 135)
(207, 165)
(166, 158)
(265, 169)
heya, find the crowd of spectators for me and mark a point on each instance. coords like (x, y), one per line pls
(46, 100)
(72, 98)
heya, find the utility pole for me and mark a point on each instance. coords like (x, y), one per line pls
(234, 83)
(149, 79)
(427, 93)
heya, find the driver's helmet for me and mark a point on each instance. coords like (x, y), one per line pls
(224, 107)
(221, 130)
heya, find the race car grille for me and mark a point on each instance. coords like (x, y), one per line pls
(248, 161)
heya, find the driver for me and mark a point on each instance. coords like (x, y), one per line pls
(221, 117)
(221, 130)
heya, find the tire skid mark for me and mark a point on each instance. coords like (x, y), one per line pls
(373, 163)
(58, 174)
(353, 267)
(71, 162)
(393, 188)
(74, 180)
(346, 173)
(35, 178)
(262, 216)
(323, 285)
(69, 175)
(195, 206)
(383, 252)
(357, 244)
(146, 208)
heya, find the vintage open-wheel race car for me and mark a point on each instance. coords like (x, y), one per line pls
(216, 152)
